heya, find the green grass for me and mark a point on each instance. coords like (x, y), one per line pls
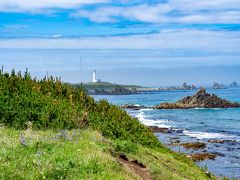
(85, 156)
(165, 165)
(82, 154)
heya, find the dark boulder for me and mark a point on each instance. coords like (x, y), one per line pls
(157, 129)
(133, 107)
(202, 156)
(194, 145)
(221, 141)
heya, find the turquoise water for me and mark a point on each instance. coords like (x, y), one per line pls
(194, 125)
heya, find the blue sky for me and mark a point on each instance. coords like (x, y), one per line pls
(158, 42)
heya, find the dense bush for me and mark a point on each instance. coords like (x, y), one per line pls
(45, 103)
(117, 124)
(49, 103)
(125, 147)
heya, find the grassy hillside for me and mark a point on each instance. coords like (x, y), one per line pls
(51, 155)
(96, 140)
(81, 154)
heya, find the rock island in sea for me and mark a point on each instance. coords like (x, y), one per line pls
(201, 99)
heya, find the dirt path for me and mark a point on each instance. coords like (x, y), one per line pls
(134, 166)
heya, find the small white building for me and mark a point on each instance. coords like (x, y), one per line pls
(94, 78)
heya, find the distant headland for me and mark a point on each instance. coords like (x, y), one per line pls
(107, 88)
(99, 87)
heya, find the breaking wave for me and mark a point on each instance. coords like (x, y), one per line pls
(143, 118)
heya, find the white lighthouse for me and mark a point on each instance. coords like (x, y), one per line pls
(94, 80)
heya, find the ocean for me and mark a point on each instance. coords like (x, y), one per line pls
(192, 125)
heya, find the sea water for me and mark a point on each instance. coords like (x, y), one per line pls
(193, 125)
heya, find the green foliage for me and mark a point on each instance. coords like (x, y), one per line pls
(125, 147)
(117, 124)
(45, 103)
(82, 157)
(49, 103)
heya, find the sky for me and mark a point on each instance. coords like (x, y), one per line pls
(150, 43)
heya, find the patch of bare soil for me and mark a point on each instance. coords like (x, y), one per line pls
(135, 166)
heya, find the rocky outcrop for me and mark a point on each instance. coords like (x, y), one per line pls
(121, 90)
(188, 87)
(234, 84)
(185, 86)
(157, 129)
(202, 156)
(133, 107)
(221, 141)
(201, 99)
(194, 145)
(218, 86)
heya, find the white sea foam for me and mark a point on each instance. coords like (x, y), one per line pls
(141, 116)
(142, 110)
(158, 123)
(149, 122)
(206, 135)
(202, 108)
(199, 108)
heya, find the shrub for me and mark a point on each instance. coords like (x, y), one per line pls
(125, 147)
(49, 103)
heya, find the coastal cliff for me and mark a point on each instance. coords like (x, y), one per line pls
(118, 90)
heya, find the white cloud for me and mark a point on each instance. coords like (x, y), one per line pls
(56, 36)
(193, 5)
(175, 11)
(15, 26)
(232, 17)
(39, 5)
(142, 12)
(172, 11)
(216, 41)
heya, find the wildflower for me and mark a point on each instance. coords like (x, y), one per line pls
(23, 140)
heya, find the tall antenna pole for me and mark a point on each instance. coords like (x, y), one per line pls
(80, 61)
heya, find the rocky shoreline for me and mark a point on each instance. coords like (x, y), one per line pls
(211, 148)
(197, 150)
